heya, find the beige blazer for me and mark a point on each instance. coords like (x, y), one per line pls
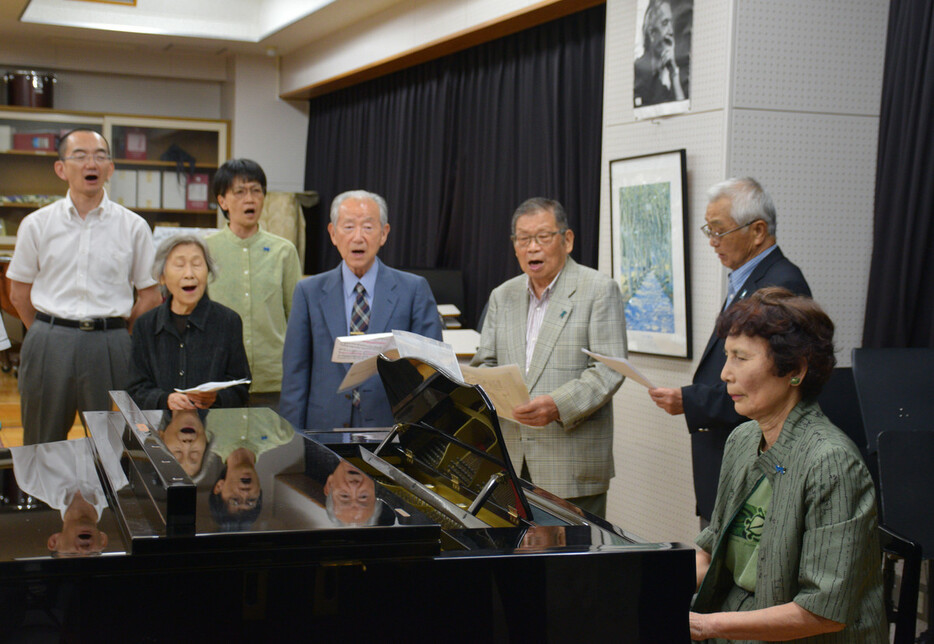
(574, 456)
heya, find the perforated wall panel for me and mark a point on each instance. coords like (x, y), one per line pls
(799, 113)
(820, 170)
(810, 56)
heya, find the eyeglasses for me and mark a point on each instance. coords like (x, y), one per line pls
(82, 157)
(240, 193)
(247, 504)
(543, 239)
(715, 235)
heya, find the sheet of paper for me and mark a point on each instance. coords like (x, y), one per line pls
(439, 354)
(504, 385)
(214, 386)
(354, 348)
(362, 371)
(623, 366)
(448, 310)
(465, 341)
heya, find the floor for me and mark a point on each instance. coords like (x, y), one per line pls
(11, 427)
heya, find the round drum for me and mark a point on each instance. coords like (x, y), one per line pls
(30, 88)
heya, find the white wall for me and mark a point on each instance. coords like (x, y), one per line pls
(265, 128)
(787, 92)
(398, 29)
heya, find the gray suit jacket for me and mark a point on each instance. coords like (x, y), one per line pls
(574, 456)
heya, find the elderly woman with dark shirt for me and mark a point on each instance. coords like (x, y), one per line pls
(188, 340)
(791, 550)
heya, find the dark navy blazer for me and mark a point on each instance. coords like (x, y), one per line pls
(708, 409)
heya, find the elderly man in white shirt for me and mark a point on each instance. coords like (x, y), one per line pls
(73, 275)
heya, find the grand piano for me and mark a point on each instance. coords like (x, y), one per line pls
(231, 525)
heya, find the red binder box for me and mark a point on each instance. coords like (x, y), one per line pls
(35, 141)
(135, 146)
(197, 192)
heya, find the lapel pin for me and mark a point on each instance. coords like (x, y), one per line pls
(266, 248)
(779, 469)
(563, 313)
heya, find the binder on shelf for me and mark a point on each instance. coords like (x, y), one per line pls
(149, 189)
(174, 190)
(135, 145)
(35, 141)
(123, 188)
(197, 194)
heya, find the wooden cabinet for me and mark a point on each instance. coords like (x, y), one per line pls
(180, 154)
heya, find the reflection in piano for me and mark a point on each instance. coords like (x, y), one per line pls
(419, 532)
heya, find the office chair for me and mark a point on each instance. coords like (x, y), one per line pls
(906, 484)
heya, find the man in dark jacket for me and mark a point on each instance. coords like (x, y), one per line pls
(741, 229)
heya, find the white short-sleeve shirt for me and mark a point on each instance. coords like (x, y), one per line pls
(83, 268)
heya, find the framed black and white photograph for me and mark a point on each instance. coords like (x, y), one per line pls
(662, 57)
(648, 214)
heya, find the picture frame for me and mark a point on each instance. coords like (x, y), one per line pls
(648, 219)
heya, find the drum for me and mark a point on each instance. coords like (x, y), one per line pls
(30, 88)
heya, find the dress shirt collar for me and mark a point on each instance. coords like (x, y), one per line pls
(741, 274)
(546, 294)
(368, 280)
(198, 318)
(100, 211)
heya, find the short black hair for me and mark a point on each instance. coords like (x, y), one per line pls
(245, 169)
(64, 137)
(226, 520)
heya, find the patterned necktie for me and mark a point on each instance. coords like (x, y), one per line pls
(360, 314)
(359, 322)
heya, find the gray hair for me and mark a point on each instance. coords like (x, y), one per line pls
(538, 204)
(649, 18)
(170, 244)
(748, 201)
(360, 194)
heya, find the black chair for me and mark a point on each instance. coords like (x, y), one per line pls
(447, 284)
(906, 483)
(895, 393)
(839, 403)
(895, 390)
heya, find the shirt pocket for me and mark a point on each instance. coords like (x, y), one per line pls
(111, 265)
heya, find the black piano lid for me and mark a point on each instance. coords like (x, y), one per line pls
(452, 427)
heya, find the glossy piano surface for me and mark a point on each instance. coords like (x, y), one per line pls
(425, 526)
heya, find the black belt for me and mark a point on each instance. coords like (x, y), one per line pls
(85, 324)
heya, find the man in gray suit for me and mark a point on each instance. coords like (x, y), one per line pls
(540, 321)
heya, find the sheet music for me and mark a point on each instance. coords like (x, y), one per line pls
(213, 386)
(439, 354)
(354, 348)
(363, 350)
(623, 366)
(504, 386)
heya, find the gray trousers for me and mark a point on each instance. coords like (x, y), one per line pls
(65, 370)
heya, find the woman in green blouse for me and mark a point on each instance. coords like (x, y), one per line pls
(791, 550)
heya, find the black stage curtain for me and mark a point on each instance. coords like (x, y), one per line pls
(900, 306)
(455, 144)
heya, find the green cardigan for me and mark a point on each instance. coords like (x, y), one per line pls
(819, 545)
